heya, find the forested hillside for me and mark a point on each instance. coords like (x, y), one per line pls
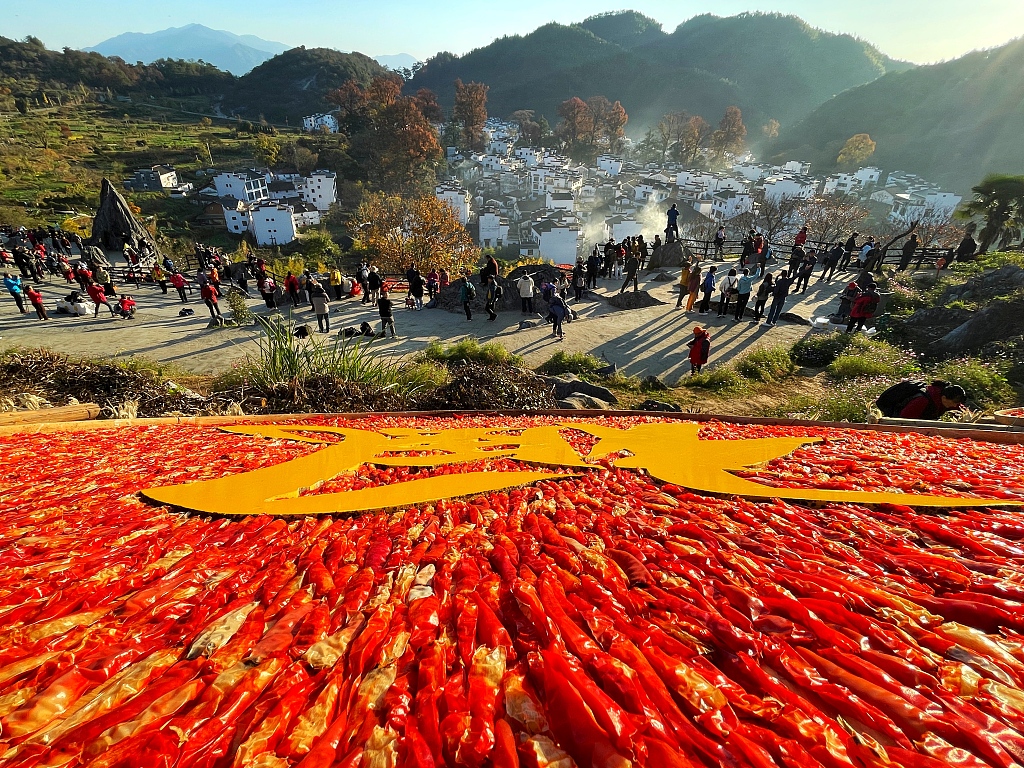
(770, 65)
(951, 123)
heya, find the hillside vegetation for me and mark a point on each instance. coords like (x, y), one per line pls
(293, 84)
(768, 64)
(952, 123)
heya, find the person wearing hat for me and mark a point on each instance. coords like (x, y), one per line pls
(700, 348)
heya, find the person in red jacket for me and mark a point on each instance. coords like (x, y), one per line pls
(801, 237)
(98, 296)
(863, 309)
(36, 298)
(178, 281)
(209, 294)
(936, 399)
(291, 286)
(700, 348)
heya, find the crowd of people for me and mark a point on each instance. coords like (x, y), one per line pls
(47, 253)
(759, 286)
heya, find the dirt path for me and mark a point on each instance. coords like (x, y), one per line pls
(649, 341)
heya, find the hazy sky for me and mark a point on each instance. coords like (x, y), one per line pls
(916, 30)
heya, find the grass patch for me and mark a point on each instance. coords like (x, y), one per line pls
(984, 383)
(723, 378)
(820, 349)
(866, 357)
(581, 364)
(284, 359)
(766, 364)
(845, 401)
(471, 351)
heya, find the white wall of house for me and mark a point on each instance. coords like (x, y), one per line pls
(610, 164)
(272, 224)
(781, 187)
(313, 123)
(457, 197)
(728, 205)
(558, 241)
(246, 186)
(319, 189)
(560, 201)
(840, 184)
(868, 176)
(493, 230)
(621, 227)
(237, 221)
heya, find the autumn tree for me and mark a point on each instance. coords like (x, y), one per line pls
(421, 230)
(731, 135)
(404, 149)
(856, 150)
(695, 136)
(771, 129)
(426, 101)
(577, 122)
(470, 110)
(350, 98)
(265, 150)
(615, 126)
(830, 218)
(390, 140)
(384, 90)
(529, 129)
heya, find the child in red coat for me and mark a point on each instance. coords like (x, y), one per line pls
(700, 348)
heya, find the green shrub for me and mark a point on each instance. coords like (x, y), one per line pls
(984, 382)
(470, 350)
(283, 359)
(820, 349)
(240, 311)
(766, 364)
(866, 357)
(904, 298)
(582, 364)
(721, 378)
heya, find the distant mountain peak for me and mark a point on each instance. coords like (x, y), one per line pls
(226, 50)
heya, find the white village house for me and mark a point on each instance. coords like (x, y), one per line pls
(325, 121)
(493, 229)
(456, 195)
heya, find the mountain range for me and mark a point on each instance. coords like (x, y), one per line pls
(233, 53)
(770, 65)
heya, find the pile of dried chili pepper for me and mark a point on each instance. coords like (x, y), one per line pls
(604, 620)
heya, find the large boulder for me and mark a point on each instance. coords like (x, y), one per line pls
(581, 402)
(633, 300)
(115, 224)
(999, 320)
(448, 299)
(673, 254)
(569, 384)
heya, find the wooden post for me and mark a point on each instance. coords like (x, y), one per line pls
(80, 412)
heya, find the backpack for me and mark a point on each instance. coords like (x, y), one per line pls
(895, 398)
(498, 291)
(470, 291)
